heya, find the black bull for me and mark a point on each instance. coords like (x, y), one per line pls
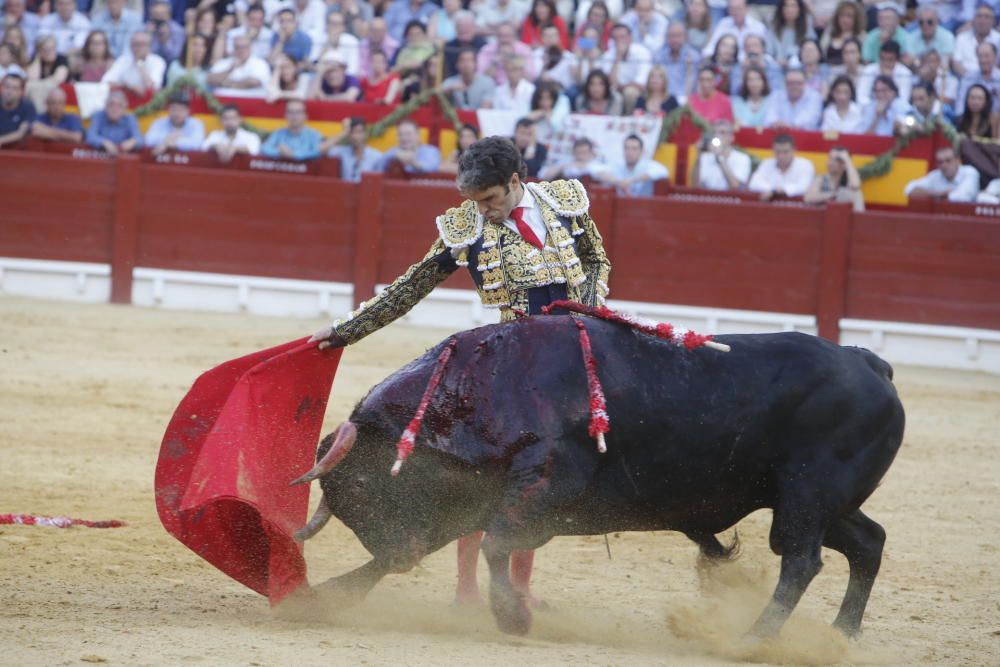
(699, 439)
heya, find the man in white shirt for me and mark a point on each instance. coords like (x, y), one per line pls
(986, 74)
(583, 163)
(964, 59)
(627, 64)
(952, 180)
(67, 25)
(738, 24)
(888, 65)
(648, 26)
(338, 40)
(515, 94)
(783, 175)
(563, 72)
(139, 70)
(719, 167)
(637, 175)
(261, 37)
(492, 14)
(242, 74)
(232, 138)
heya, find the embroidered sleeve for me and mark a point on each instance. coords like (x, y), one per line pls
(400, 297)
(596, 266)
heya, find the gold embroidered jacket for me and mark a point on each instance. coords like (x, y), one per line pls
(505, 268)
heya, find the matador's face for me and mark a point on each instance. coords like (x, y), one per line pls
(496, 203)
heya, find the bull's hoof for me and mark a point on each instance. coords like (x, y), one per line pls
(512, 614)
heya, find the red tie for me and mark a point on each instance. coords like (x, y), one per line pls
(523, 229)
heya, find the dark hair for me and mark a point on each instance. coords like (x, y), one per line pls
(843, 177)
(965, 122)
(801, 24)
(16, 76)
(924, 86)
(408, 121)
(87, 45)
(179, 98)
(542, 88)
(809, 40)
(851, 40)
(489, 162)
(736, 55)
(471, 128)
(205, 59)
(228, 107)
(524, 122)
(597, 74)
(356, 121)
(886, 80)
(256, 8)
(744, 89)
(600, 4)
(706, 22)
(621, 25)
(552, 12)
(634, 137)
(583, 141)
(860, 18)
(783, 139)
(843, 78)
(462, 51)
(414, 24)
(892, 46)
(287, 10)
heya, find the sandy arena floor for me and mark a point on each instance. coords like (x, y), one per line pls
(86, 392)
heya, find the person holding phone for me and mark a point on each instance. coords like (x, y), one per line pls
(840, 183)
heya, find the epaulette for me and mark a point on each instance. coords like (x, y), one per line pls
(567, 198)
(461, 226)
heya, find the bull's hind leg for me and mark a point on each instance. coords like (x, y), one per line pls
(860, 540)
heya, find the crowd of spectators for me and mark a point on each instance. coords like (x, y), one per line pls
(848, 66)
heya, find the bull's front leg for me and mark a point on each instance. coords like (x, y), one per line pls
(509, 606)
(351, 588)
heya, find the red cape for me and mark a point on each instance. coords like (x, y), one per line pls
(244, 431)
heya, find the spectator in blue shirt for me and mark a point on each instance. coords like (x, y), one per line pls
(168, 35)
(797, 107)
(357, 157)
(177, 130)
(118, 23)
(884, 110)
(55, 124)
(680, 60)
(113, 129)
(16, 113)
(288, 39)
(401, 12)
(295, 142)
(415, 157)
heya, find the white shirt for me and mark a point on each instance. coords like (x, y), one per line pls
(653, 35)
(633, 69)
(125, 71)
(259, 47)
(901, 76)
(562, 73)
(253, 68)
(490, 14)
(965, 49)
(832, 121)
(793, 182)
(532, 216)
(965, 187)
(651, 169)
(69, 35)
(615, 9)
(518, 100)
(243, 138)
(727, 26)
(348, 48)
(710, 173)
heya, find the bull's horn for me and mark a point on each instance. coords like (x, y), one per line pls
(320, 519)
(345, 434)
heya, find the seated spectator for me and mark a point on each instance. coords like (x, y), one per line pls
(466, 39)
(597, 96)
(167, 35)
(588, 56)
(840, 183)
(707, 101)
(680, 61)
(48, 70)
(987, 74)
(94, 59)
(296, 141)
(240, 75)
(583, 163)
(627, 65)
(340, 43)
(792, 25)
(13, 37)
(932, 72)
(196, 51)
(553, 62)
(595, 16)
(842, 113)
(526, 140)
(924, 105)
(377, 39)
(310, 16)
(287, 82)
(491, 15)
(991, 195)
(8, 62)
(288, 39)
(978, 118)
(930, 36)
(422, 79)
(381, 86)
(467, 136)
(414, 52)
(964, 60)
(55, 124)
(16, 113)
(259, 35)
(441, 27)
(332, 82)
(549, 108)
(514, 95)
(356, 157)
(359, 14)
(543, 14)
(888, 65)
(400, 14)
(952, 180)
(697, 23)
(719, 165)
(751, 106)
(636, 175)
(816, 73)
(888, 30)
(648, 26)
(416, 158)
(468, 88)
(848, 22)
(138, 70)
(114, 130)
(68, 26)
(738, 24)
(232, 139)
(725, 62)
(491, 57)
(851, 67)
(656, 98)
(797, 107)
(884, 110)
(754, 54)
(118, 24)
(177, 130)
(785, 174)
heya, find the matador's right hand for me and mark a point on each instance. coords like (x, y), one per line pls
(328, 338)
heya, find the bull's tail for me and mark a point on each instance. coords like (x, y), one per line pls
(713, 550)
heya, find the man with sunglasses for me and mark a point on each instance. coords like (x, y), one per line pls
(952, 180)
(930, 36)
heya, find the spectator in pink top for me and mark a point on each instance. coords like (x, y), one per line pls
(707, 100)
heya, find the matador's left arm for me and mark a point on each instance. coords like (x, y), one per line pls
(594, 262)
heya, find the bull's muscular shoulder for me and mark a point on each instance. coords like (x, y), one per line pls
(567, 198)
(461, 226)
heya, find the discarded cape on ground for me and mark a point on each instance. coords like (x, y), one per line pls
(241, 434)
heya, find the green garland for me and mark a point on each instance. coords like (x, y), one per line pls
(673, 119)
(159, 101)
